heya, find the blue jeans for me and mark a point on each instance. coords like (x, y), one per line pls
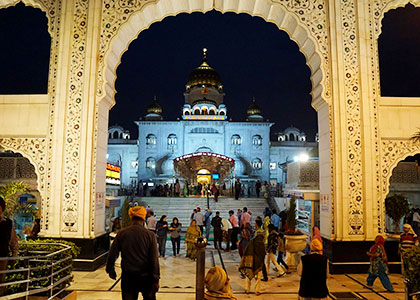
(383, 277)
(162, 245)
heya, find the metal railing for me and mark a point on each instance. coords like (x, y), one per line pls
(38, 272)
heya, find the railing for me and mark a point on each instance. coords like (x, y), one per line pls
(38, 272)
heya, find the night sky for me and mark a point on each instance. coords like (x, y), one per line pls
(253, 58)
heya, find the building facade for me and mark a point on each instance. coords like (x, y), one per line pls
(204, 127)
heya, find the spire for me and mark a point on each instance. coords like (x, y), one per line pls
(204, 54)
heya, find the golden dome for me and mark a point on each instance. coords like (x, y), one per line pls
(204, 75)
(154, 108)
(253, 109)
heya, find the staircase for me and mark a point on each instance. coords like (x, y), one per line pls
(182, 208)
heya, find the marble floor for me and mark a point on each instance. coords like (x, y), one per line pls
(178, 282)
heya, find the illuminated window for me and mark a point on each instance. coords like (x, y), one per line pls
(222, 113)
(172, 139)
(151, 139)
(236, 139)
(204, 111)
(257, 140)
(272, 166)
(187, 112)
(150, 163)
(257, 164)
(212, 112)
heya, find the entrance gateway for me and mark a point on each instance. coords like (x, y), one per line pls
(362, 135)
(204, 167)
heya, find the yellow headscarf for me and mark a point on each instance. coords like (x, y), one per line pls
(316, 245)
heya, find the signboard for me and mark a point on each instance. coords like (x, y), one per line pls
(325, 205)
(113, 174)
(215, 176)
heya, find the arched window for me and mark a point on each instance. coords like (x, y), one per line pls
(222, 113)
(236, 139)
(187, 112)
(196, 111)
(115, 134)
(292, 137)
(257, 164)
(204, 111)
(121, 135)
(150, 163)
(257, 140)
(172, 139)
(151, 139)
(212, 111)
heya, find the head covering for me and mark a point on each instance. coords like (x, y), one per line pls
(316, 234)
(137, 211)
(379, 242)
(410, 229)
(217, 284)
(316, 245)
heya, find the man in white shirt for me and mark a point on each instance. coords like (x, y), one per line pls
(199, 218)
(151, 222)
(245, 217)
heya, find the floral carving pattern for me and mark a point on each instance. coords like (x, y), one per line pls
(74, 117)
(352, 97)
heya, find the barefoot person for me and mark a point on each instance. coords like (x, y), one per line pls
(378, 264)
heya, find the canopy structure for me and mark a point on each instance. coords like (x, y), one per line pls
(189, 165)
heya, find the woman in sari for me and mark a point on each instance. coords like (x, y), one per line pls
(193, 232)
(378, 264)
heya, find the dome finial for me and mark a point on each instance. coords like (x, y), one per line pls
(204, 54)
(154, 98)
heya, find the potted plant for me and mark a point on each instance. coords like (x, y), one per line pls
(295, 239)
(396, 207)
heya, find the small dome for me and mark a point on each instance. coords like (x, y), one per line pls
(204, 75)
(253, 109)
(154, 108)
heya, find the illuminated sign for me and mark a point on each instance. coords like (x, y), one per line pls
(113, 174)
(186, 156)
(207, 117)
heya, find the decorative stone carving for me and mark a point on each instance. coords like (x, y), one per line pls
(34, 149)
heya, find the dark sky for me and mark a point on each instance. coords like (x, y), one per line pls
(253, 58)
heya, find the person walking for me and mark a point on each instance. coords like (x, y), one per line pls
(216, 222)
(273, 239)
(215, 191)
(408, 239)
(207, 223)
(378, 264)
(258, 188)
(175, 230)
(238, 188)
(193, 232)
(199, 218)
(162, 234)
(313, 271)
(252, 261)
(245, 217)
(281, 248)
(140, 264)
(235, 229)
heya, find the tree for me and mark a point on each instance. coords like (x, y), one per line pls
(9, 192)
(291, 216)
(125, 217)
(396, 207)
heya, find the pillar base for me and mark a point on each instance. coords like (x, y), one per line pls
(350, 257)
(93, 252)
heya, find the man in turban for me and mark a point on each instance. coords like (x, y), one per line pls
(217, 285)
(313, 270)
(140, 264)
